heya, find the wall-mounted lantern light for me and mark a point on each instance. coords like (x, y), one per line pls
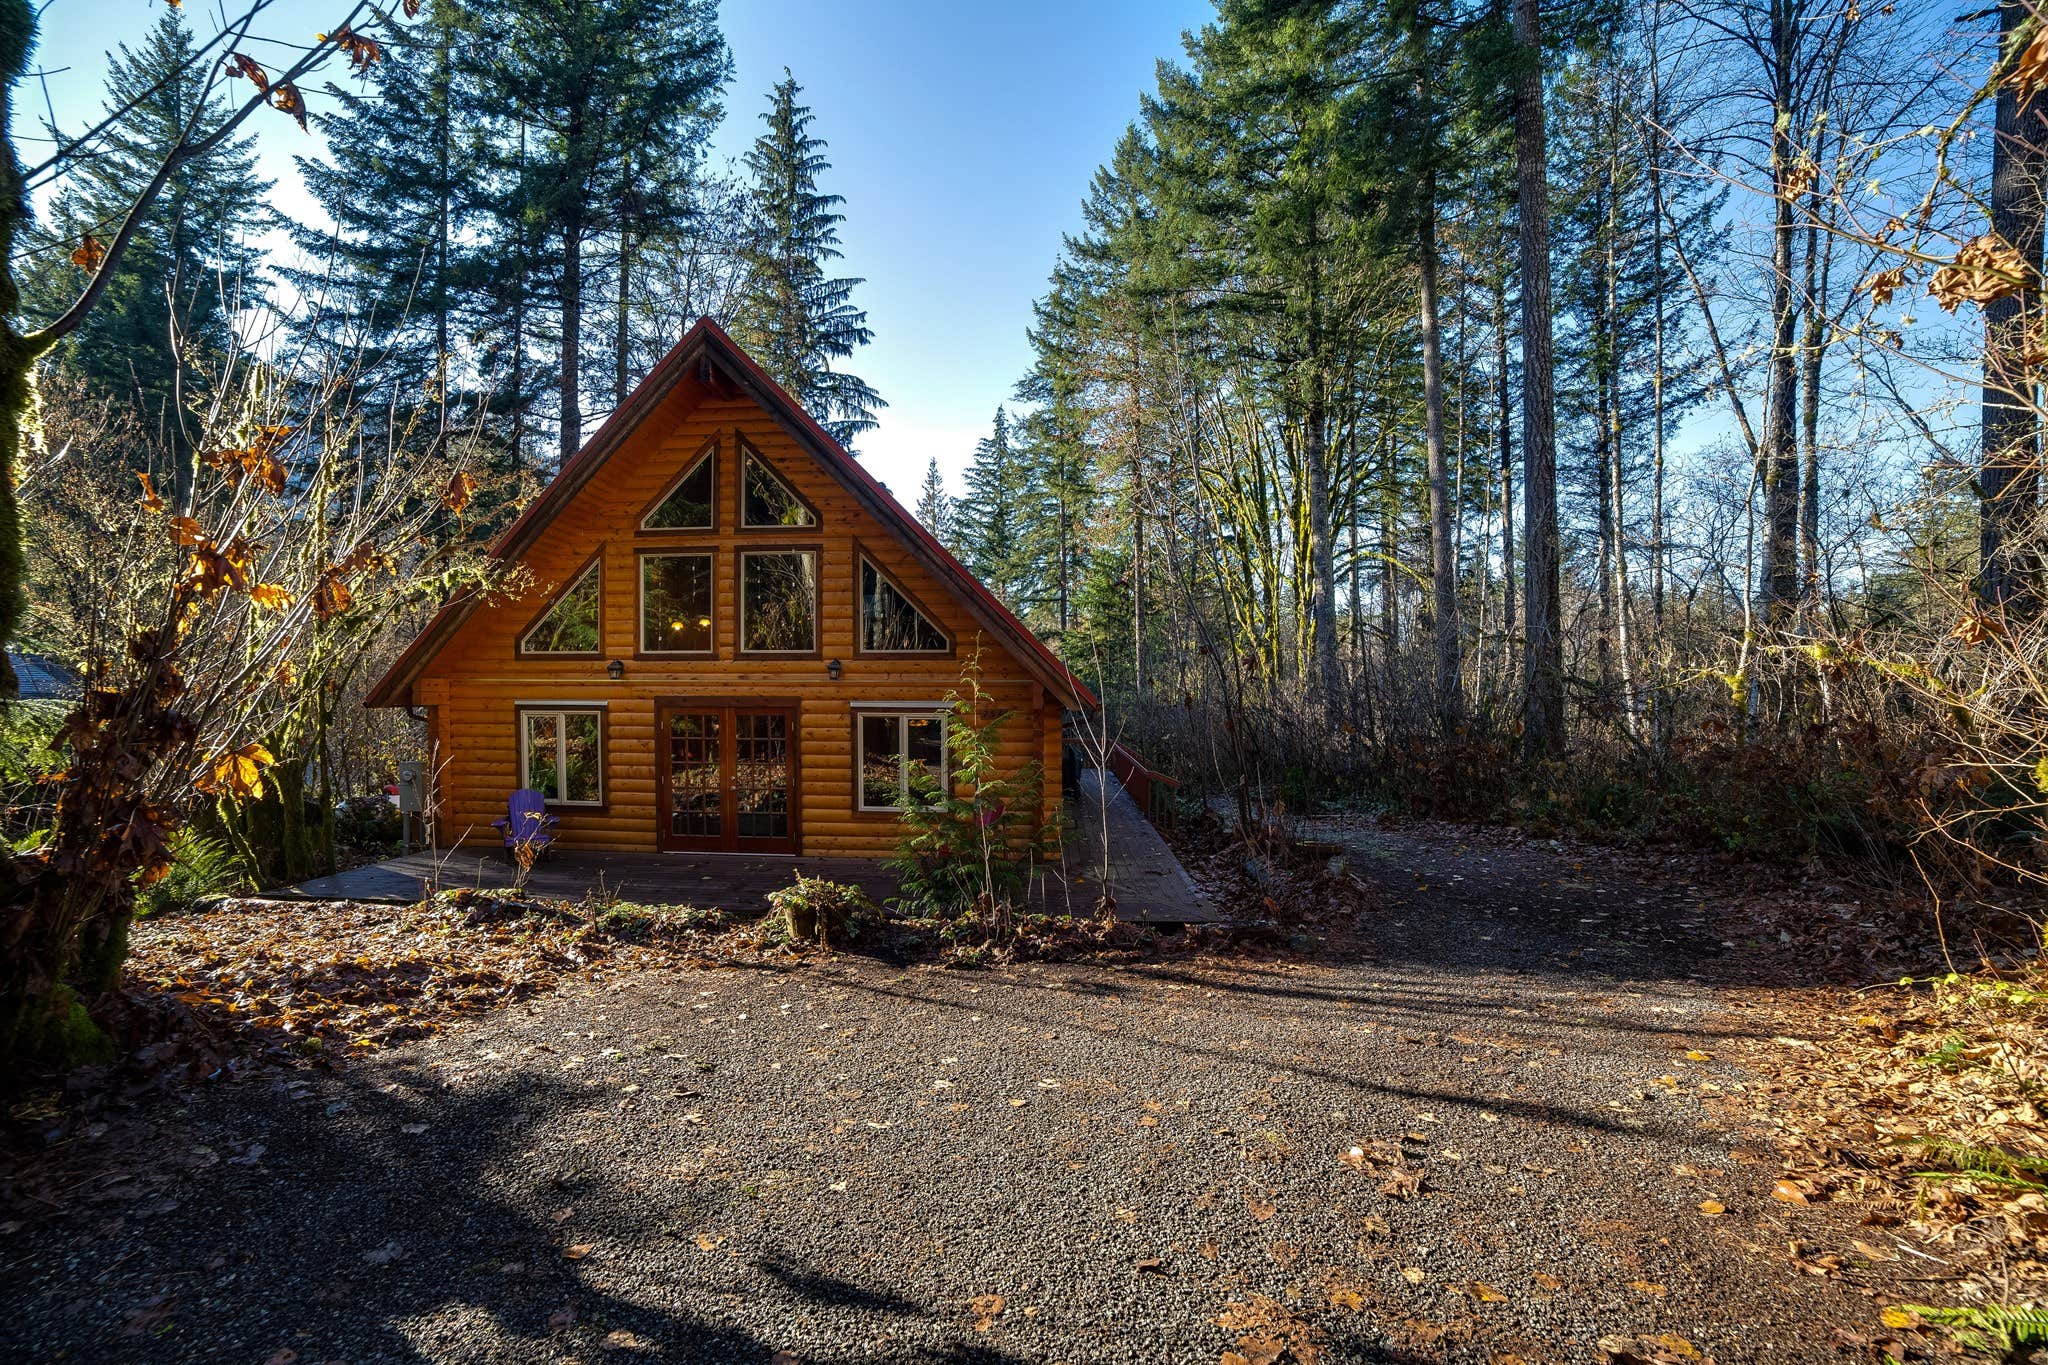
(834, 669)
(615, 670)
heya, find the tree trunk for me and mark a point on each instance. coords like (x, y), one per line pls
(2008, 482)
(1505, 424)
(1543, 658)
(572, 349)
(17, 357)
(1322, 552)
(572, 307)
(1812, 351)
(622, 369)
(1779, 576)
(1442, 560)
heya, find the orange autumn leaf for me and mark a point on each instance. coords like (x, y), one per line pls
(237, 64)
(1884, 284)
(152, 501)
(214, 567)
(363, 51)
(2029, 74)
(1984, 271)
(274, 596)
(285, 98)
(456, 496)
(186, 531)
(236, 772)
(90, 255)
(331, 596)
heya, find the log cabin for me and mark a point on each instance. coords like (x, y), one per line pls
(734, 640)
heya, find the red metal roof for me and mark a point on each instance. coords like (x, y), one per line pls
(707, 340)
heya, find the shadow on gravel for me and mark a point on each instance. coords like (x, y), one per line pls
(356, 1239)
(1444, 1007)
(1181, 1046)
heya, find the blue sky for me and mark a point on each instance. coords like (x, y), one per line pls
(962, 136)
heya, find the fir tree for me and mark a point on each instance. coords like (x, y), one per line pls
(792, 317)
(988, 521)
(392, 284)
(190, 265)
(585, 97)
(935, 505)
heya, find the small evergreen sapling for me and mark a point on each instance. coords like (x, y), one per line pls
(969, 844)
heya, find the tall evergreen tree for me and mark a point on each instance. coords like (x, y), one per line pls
(987, 515)
(935, 504)
(392, 283)
(585, 97)
(192, 261)
(792, 317)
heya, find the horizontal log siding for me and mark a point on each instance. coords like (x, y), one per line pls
(477, 679)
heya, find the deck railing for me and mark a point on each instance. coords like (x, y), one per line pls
(1151, 789)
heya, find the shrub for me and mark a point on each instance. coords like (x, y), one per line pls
(367, 822)
(817, 910)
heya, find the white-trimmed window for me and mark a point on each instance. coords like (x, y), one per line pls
(561, 753)
(900, 752)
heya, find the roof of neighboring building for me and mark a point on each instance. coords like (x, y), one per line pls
(706, 344)
(43, 678)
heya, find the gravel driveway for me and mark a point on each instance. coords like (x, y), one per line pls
(853, 1161)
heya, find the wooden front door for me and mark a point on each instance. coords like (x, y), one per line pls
(728, 777)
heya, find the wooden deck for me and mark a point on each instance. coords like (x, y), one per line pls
(1149, 884)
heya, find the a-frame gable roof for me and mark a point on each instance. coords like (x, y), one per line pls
(707, 355)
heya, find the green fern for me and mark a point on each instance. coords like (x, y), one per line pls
(1992, 1328)
(1964, 1159)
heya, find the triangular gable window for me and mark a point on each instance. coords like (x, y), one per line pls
(890, 623)
(570, 624)
(687, 504)
(765, 500)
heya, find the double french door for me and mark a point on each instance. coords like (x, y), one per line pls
(727, 776)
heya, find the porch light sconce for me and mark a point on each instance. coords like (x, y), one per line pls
(615, 670)
(833, 669)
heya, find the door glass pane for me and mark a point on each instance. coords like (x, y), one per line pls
(781, 596)
(675, 604)
(761, 776)
(582, 733)
(688, 505)
(541, 754)
(881, 773)
(924, 754)
(696, 792)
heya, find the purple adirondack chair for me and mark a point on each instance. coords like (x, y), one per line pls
(526, 821)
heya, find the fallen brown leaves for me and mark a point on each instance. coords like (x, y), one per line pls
(258, 982)
(1919, 1105)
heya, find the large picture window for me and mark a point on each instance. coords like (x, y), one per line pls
(675, 604)
(561, 754)
(890, 623)
(570, 624)
(779, 601)
(901, 753)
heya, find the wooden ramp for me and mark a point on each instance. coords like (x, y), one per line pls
(1113, 844)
